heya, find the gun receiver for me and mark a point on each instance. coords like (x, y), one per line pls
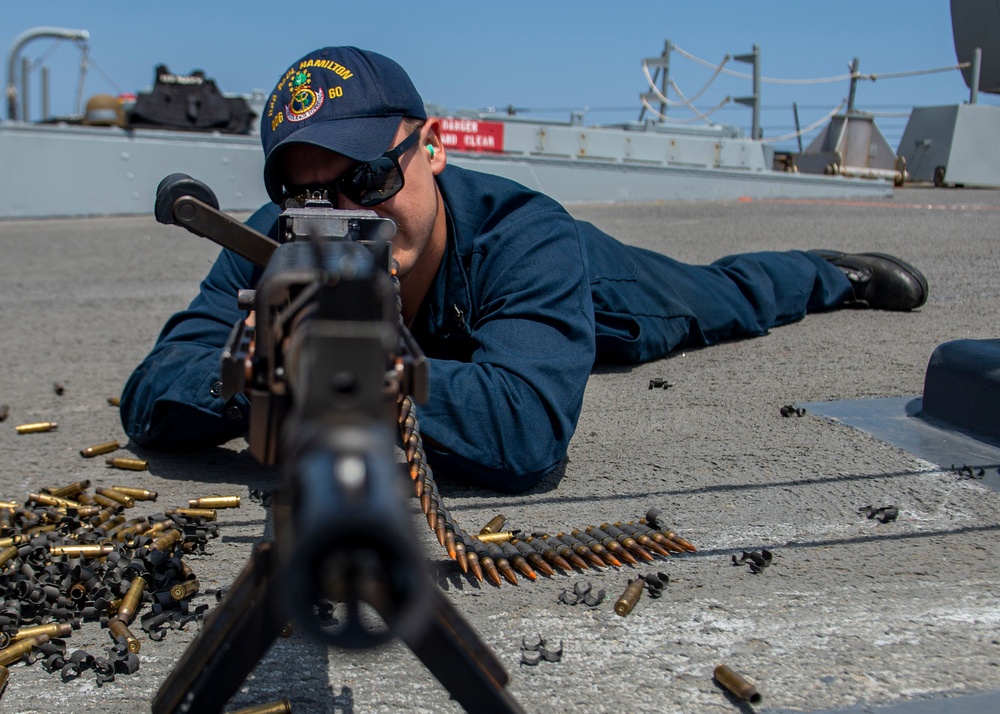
(325, 364)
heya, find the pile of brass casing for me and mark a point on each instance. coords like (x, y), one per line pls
(75, 555)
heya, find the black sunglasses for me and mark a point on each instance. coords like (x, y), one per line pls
(366, 184)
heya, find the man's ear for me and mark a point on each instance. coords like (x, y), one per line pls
(431, 145)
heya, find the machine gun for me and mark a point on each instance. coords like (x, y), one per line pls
(325, 364)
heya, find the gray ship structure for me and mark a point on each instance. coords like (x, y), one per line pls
(104, 162)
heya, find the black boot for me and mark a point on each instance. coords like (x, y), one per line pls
(880, 281)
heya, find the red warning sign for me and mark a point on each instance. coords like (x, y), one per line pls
(472, 135)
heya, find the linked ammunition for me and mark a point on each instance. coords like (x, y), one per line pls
(500, 560)
(114, 401)
(55, 629)
(737, 685)
(630, 597)
(612, 544)
(139, 494)
(82, 551)
(70, 490)
(627, 541)
(114, 495)
(472, 559)
(486, 562)
(106, 448)
(215, 502)
(644, 540)
(656, 536)
(532, 556)
(282, 706)
(460, 553)
(37, 427)
(127, 464)
(120, 633)
(209, 514)
(598, 549)
(184, 589)
(517, 560)
(581, 550)
(495, 525)
(669, 534)
(549, 553)
(13, 653)
(132, 600)
(565, 551)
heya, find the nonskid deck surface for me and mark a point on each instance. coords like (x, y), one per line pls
(851, 612)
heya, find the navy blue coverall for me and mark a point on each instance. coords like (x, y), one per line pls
(525, 301)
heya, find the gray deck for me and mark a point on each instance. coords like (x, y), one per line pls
(853, 615)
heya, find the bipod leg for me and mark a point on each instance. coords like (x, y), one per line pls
(232, 641)
(455, 655)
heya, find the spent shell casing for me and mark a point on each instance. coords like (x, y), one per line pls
(97, 550)
(7, 554)
(167, 540)
(45, 499)
(132, 599)
(54, 629)
(4, 675)
(71, 490)
(120, 633)
(97, 449)
(102, 500)
(737, 685)
(282, 706)
(36, 427)
(184, 589)
(9, 504)
(495, 525)
(209, 514)
(121, 462)
(630, 597)
(498, 537)
(215, 502)
(14, 652)
(114, 495)
(139, 494)
(114, 401)
(16, 539)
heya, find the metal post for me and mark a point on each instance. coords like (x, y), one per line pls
(25, 94)
(855, 63)
(45, 92)
(798, 130)
(977, 60)
(754, 100)
(662, 71)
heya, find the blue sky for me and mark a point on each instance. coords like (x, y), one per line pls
(533, 54)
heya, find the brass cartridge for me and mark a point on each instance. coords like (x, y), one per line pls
(215, 502)
(55, 629)
(106, 448)
(82, 551)
(36, 428)
(737, 685)
(114, 401)
(139, 494)
(167, 540)
(184, 589)
(7, 554)
(127, 464)
(518, 561)
(533, 557)
(498, 537)
(612, 544)
(111, 523)
(17, 539)
(565, 551)
(120, 633)
(630, 597)
(68, 491)
(581, 550)
(16, 651)
(132, 600)
(9, 504)
(495, 525)
(282, 706)
(627, 541)
(4, 674)
(209, 514)
(114, 495)
(549, 553)
(45, 499)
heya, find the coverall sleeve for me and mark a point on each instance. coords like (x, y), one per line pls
(172, 399)
(504, 419)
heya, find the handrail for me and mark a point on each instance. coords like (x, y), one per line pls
(15, 50)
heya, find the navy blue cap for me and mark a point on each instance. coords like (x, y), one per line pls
(343, 99)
